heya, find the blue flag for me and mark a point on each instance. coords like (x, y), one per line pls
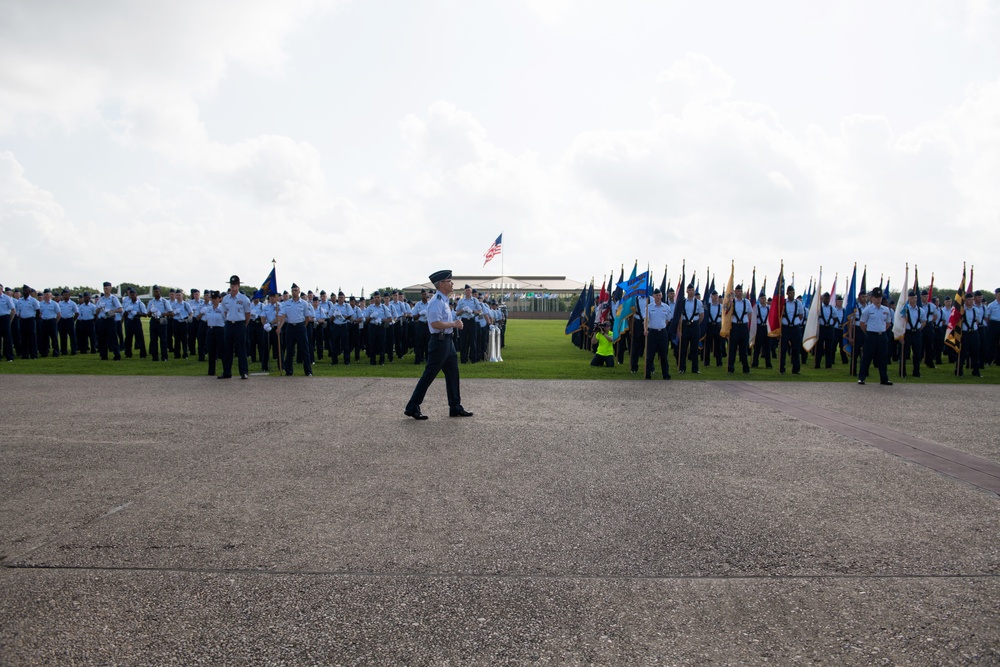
(627, 305)
(269, 286)
(574, 322)
(637, 285)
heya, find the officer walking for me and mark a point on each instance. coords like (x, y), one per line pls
(440, 352)
(236, 307)
(876, 319)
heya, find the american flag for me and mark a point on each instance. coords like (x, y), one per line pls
(493, 251)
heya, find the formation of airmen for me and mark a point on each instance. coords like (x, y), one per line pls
(864, 336)
(280, 329)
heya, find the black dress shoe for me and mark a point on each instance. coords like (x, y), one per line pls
(460, 412)
(225, 377)
(415, 413)
(887, 383)
(861, 381)
(244, 376)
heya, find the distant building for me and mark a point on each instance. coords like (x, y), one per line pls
(525, 294)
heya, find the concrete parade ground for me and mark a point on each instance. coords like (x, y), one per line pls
(306, 521)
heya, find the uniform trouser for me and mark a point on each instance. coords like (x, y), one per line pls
(876, 348)
(913, 346)
(467, 339)
(825, 346)
(421, 336)
(235, 343)
(441, 356)
(86, 336)
(713, 344)
(133, 331)
(107, 338)
(623, 343)
(255, 334)
(739, 339)
(399, 330)
(690, 334)
(657, 344)
(992, 354)
(354, 340)
(329, 333)
(192, 340)
(158, 339)
(49, 338)
(970, 353)
(928, 334)
(180, 338)
(984, 346)
(376, 343)
(637, 344)
(7, 337)
(120, 332)
(295, 336)
(215, 343)
(939, 346)
(762, 346)
(270, 349)
(29, 338)
(202, 338)
(791, 344)
(318, 339)
(67, 336)
(340, 343)
(484, 342)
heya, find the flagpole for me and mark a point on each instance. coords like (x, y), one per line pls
(645, 321)
(277, 334)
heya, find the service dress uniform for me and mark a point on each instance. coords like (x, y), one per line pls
(86, 325)
(441, 355)
(215, 332)
(876, 320)
(762, 342)
(134, 310)
(970, 355)
(342, 316)
(295, 313)
(108, 306)
(692, 310)
(791, 335)
(68, 312)
(7, 310)
(467, 308)
(421, 335)
(158, 309)
(739, 334)
(237, 309)
(657, 316)
(49, 314)
(27, 317)
(913, 339)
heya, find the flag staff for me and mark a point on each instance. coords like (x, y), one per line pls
(277, 334)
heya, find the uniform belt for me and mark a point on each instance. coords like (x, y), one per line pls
(655, 329)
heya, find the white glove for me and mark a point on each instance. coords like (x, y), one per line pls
(267, 326)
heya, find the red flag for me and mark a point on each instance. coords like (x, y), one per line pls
(493, 251)
(777, 305)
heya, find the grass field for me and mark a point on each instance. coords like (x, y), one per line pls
(536, 350)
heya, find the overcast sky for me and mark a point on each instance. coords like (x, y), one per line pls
(363, 144)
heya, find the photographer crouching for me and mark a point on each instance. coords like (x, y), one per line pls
(605, 355)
